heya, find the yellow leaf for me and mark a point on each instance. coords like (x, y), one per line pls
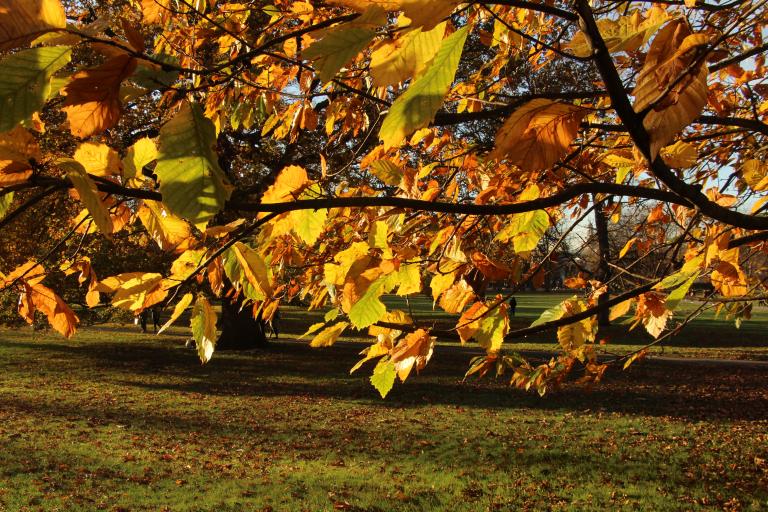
(455, 298)
(627, 246)
(329, 335)
(203, 323)
(406, 57)
(24, 20)
(98, 159)
(413, 350)
(620, 309)
(680, 155)
(140, 154)
(93, 96)
(185, 301)
(755, 173)
(255, 269)
(624, 34)
(138, 292)
(169, 231)
(409, 278)
(287, 186)
(538, 134)
(672, 52)
(89, 195)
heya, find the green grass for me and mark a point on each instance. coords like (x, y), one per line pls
(706, 337)
(115, 420)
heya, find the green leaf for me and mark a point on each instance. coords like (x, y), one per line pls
(493, 328)
(678, 294)
(550, 315)
(89, 195)
(191, 181)
(337, 48)
(5, 203)
(383, 377)
(369, 309)
(25, 82)
(416, 107)
(203, 323)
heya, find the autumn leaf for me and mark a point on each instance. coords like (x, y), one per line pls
(98, 159)
(18, 148)
(30, 19)
(408, 56)
(92, 99)
(538, 134)
(203, 323)
(329, 335)
(672, 86)
(25, 81)
(416, 107)
(415, 350)
(90, 196)
(169, 231)
(59, 315)
(191, 182)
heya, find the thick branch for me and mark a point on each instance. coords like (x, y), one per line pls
(634, 124)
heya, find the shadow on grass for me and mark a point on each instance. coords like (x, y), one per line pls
(290, 369)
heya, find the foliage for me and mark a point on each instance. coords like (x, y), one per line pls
(340, 151)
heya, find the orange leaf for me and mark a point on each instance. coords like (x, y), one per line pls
(671, 84)
(93, 96)
(24, 20)
(413, 350)
(59, 315)
(538, 134)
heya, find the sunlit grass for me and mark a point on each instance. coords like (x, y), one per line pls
(117, 420)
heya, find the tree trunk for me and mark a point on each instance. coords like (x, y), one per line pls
(239, 330)
(603, 273)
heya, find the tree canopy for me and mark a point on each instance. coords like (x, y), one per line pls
(335, 151)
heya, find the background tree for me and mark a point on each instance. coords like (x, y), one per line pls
(337, 151)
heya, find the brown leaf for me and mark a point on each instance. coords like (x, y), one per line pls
(93, 96)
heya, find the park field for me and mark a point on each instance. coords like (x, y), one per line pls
(119, 421)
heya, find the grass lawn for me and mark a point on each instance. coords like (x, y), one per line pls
(119, 421)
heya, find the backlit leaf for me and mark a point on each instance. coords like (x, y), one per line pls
(169, 231)
(329, 335)
(92, 99)
(191, 182)
(25, 81)
(406, 57)
(538, 134)
(203, 323)
(415, 349)
(383, 377)
(416, 107)
(98, 159)
(674, 93)
(183, 304)
(24, 20)
(89, 195)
